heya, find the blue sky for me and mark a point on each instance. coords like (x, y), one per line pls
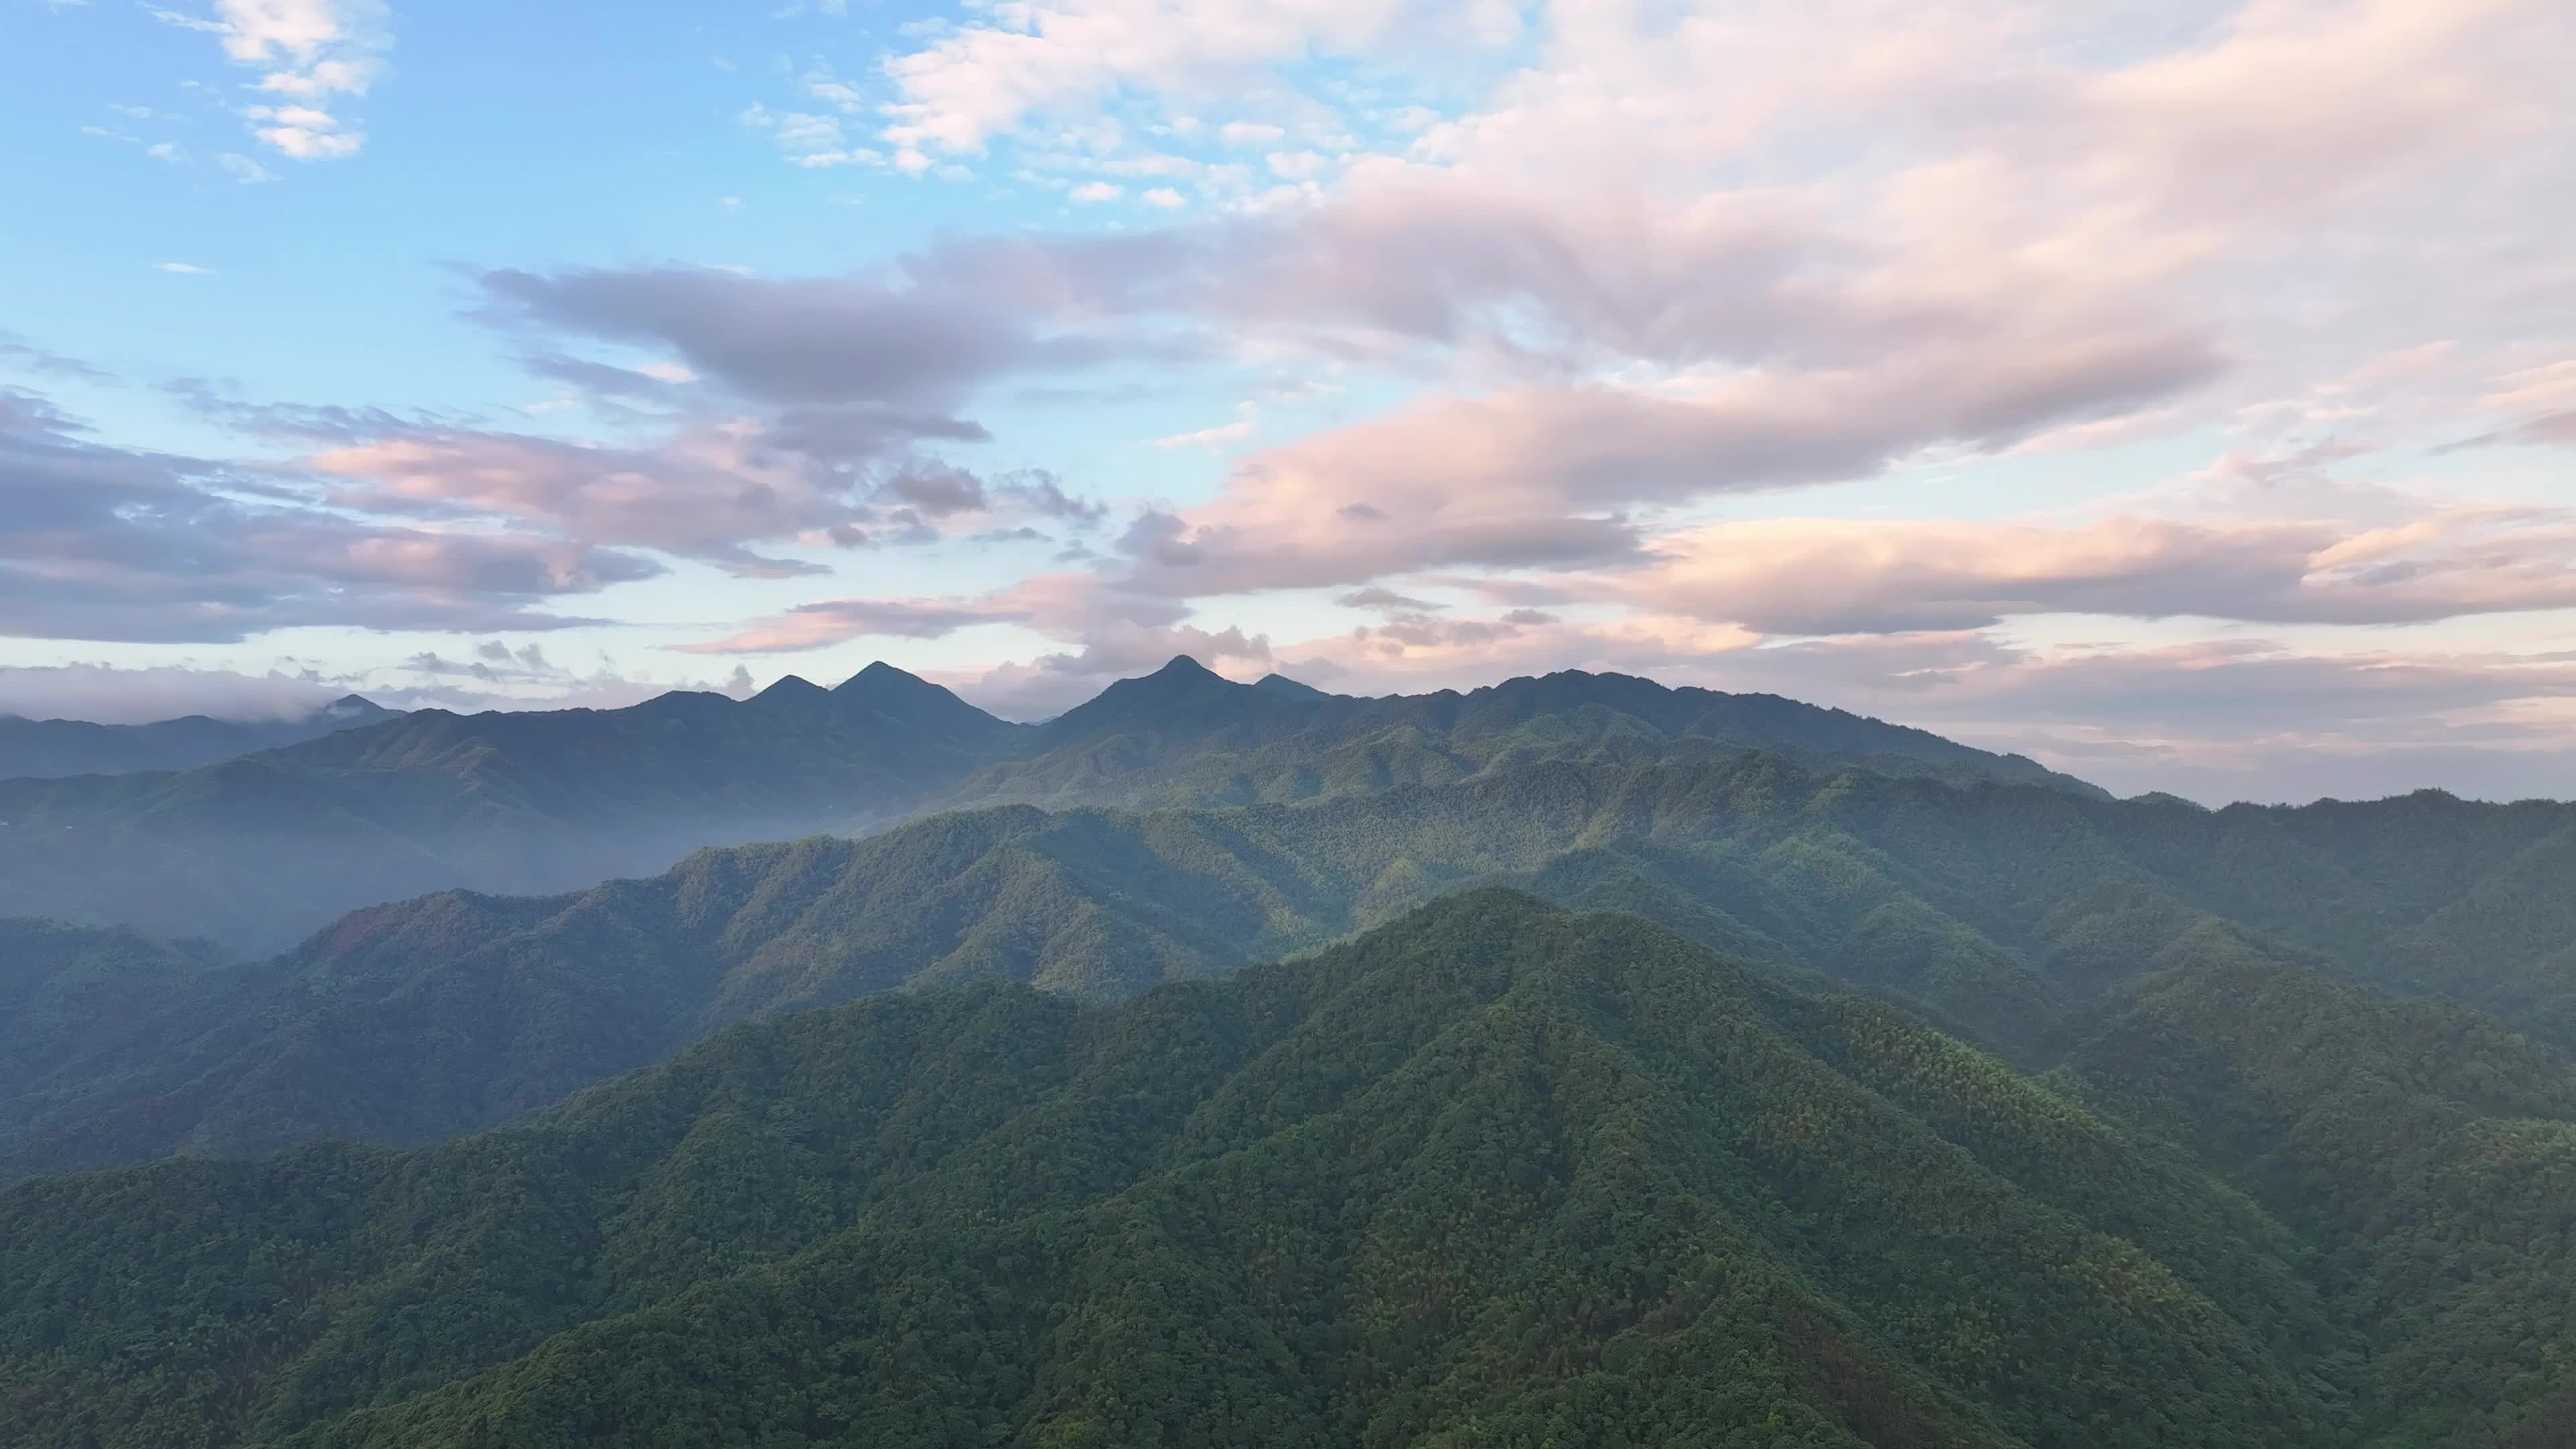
(2184, 395)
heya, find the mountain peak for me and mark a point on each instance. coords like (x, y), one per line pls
(1182, 666)
(1286, 688)
(880, 675)
(883, 692)
(790, 687)
(348, 706)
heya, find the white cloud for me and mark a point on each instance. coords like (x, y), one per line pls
(1246, 418)
(1095, 191)
(184, 269)
(310, 50)
(307, 144)
(810, 140)
(109, 694)
(243, 169)
(1166, 198)
(975, 81)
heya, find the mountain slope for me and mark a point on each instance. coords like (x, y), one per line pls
(1492, 1175)
(2002, 914)
(56, 748)
(2427, 1151)
(260, 850)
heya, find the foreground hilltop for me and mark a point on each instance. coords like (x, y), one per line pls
(1492, 1174)
(259, 850)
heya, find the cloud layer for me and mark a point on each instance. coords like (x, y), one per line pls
(2148, 386)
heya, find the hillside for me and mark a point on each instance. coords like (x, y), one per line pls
(57, 748)
(2002, 914)
(1490, 1175)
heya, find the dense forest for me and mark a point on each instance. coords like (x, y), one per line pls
(1999, 914)
(1493, 1174)
(260, 850)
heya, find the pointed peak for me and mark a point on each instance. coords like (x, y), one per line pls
(1182, 666)
(348, 705)
(790, 686)
(1286, 688)
(880, 675)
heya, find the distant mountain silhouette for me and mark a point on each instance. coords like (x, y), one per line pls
(257, 850)
(55, 748)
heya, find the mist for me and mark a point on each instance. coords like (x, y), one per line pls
(109, 694)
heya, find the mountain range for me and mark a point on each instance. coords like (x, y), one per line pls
(1998, 913)
(55, 748)
(1572, 1061)
(259, 850)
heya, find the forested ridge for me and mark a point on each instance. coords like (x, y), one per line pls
(1493, 1174)
(260, 850)
(1998, 913)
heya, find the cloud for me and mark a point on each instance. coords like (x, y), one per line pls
(1069, 606)
(809, 139)
(18, 352)
(1835, 576)
(706, 493)
(1584, 328)
(2214, 720)
(832, 621)
(494, 676)
(917, 337)
(1387, 601)
(780, 417)
(1545, 476)
(184, 269)
(1246, 419)
(109, 694)
(307, 51)
(303, 132)
(978, 80)
(107, 543)
(709, 489)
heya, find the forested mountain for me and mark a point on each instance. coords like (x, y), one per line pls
(55, 748)
(1491, 1175)
(260, 850)
(1185, 736)
(2002, 913)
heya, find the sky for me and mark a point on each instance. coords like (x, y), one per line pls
(2181, 393)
